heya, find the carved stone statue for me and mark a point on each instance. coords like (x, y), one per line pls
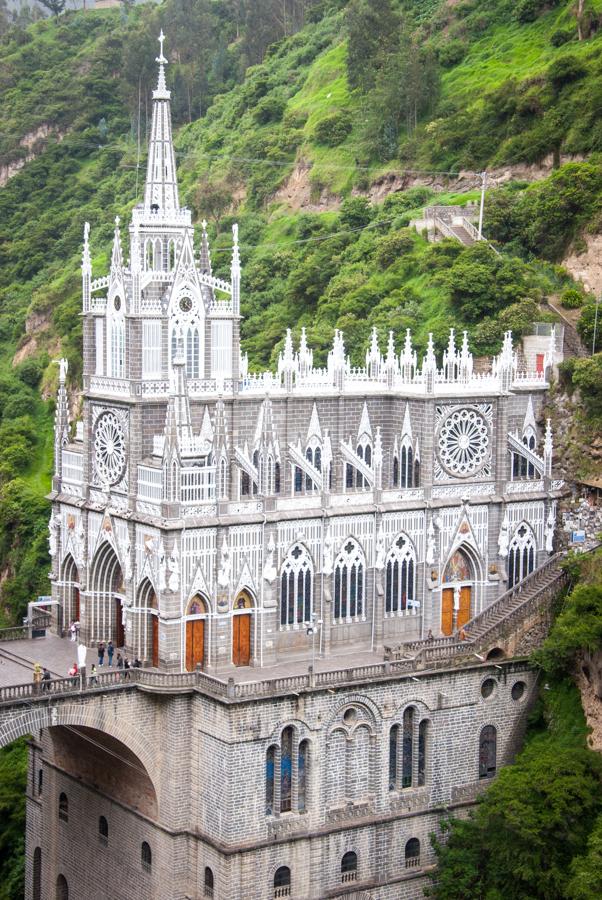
(223, 576)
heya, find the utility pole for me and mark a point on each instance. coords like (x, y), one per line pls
(595, 325)
(482, 210)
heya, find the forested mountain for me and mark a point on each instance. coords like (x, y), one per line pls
(322, 127)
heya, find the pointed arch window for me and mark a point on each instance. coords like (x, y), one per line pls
(364, 452)
(286, 770)
(286, 773)
(296, 587)
(282, 882)
(208, 889)
(349, 583)
(116, 361)
(146, 857)
(63, 808)
(412, 853)
(349, 867)
(487, 752)
(400, 582)
(408, 751)
(302, 773)
(521, 554)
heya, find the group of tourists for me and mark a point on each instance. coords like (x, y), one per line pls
(42, 676)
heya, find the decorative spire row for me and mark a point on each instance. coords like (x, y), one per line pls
(457, 364)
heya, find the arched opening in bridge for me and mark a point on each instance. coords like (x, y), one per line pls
(147, 630)
(496, 653)
(196, 616)
(241, 629)
(456, 594)
(62, 888)
(106, 765)
(105, 616)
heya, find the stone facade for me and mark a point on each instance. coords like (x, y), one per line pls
(188, 776)
(209, 518)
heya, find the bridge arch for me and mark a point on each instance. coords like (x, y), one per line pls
(94, 716)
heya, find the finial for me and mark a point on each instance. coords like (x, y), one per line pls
(161, 59)
(117, 220)
(235, 234)
(86, 232)
(204, 224)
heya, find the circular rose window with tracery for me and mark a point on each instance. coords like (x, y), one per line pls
(463, 442)
(109, 447)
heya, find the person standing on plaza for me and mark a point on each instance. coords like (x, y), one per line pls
(72, 631)
(110, 652)
(37, 677)
(93, 678)
(46, 676)
(101, 654)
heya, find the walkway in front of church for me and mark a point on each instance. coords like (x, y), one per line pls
(17, 659)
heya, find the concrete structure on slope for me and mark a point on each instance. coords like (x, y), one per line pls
(205, 518)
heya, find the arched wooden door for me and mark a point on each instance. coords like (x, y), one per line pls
(241, 630)
(447, 611)
(76, 607)
(241, 639)
(195, 644)
(155, 640)
(464, 610)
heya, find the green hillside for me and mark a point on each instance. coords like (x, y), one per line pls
(292, 127)
(291, 147)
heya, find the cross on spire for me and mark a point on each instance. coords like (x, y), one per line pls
(161, 58)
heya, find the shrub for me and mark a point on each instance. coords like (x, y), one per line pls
(566, 69)
(528, 10)
(572, 299)
(356, 212)
(562, 36)
(333, 129)
(269, 109)
(30, 372)
(451, 53)
(392, 246)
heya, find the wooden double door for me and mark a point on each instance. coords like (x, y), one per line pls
(447, 609)
(195, 644)
(241, 639)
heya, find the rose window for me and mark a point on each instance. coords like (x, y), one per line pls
(463, 442)
(109, 447)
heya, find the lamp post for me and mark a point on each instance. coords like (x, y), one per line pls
(311, 631)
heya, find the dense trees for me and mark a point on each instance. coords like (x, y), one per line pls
(537, 830)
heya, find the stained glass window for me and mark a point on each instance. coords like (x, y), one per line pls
(423, 730)
(408, 747)
(521, 554)
(400, 576)
(286, 770)
(393, 746)
(270, 761)
(349, 582)
(302, 775)
(296, 587)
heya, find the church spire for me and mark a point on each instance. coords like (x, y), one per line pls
(161, 190)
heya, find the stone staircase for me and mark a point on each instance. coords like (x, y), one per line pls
(496, 627)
